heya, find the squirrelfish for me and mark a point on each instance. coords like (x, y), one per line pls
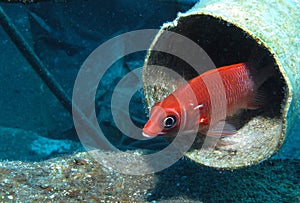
(206, 101)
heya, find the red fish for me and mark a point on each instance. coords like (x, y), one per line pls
(206, 101)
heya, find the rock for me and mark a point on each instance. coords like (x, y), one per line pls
(22, 145)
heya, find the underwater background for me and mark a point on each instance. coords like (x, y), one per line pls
(41, 156)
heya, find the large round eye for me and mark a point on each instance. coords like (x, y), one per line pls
(169, 121)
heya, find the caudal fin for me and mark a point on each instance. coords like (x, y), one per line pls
(260, 66)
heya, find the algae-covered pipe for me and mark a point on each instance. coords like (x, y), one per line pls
(228, 31)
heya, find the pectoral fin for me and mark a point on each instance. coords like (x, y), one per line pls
(222, 128)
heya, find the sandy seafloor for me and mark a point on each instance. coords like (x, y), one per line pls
(79, 178)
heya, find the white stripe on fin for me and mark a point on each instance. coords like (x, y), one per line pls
(199, 106)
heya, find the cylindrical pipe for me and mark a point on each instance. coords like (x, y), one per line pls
(229, 31)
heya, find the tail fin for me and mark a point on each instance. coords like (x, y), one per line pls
(260, 66)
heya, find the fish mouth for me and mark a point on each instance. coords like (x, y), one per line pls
(151, 135)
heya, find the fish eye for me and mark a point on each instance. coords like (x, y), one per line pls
(169, 121)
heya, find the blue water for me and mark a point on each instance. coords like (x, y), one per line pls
(63, 44)
(33, 124)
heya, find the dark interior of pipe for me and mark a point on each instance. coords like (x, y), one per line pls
(226, 44)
